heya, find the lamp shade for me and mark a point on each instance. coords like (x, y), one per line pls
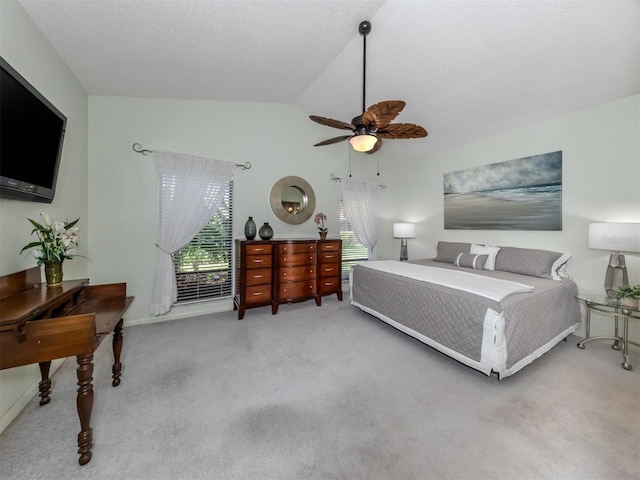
(404, 230)
(615, 237)
(363, 143)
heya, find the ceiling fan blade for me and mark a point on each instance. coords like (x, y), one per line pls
(330, 122)
(383, 113)
(402, 130)
(333, 140)
(376, 147)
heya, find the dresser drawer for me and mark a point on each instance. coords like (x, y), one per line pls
(258, 261)
(297, 259)
(328, 257)
(329, 285)
(258, 276)
(258, 294)
(259, 249)
(330, 246)
(294, 274)
(330, 270)
(297, 290)
(296, 247)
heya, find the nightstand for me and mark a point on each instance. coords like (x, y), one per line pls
(612, 308)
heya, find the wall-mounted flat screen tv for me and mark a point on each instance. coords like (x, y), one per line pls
(31, 136)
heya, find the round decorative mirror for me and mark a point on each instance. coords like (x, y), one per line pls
(292, 200)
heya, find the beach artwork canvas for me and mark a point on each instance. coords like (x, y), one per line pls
(521, 194)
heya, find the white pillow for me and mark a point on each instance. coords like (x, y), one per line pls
(486, 250)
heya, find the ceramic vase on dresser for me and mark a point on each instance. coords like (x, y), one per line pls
(250, 229)
(266, 232)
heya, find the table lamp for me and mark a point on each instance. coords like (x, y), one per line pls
(404, 231)
(615, 237)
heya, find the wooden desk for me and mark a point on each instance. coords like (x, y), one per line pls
(40, 324)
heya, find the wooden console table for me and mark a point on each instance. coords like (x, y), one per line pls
(39, 324)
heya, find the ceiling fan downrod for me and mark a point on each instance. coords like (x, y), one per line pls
(364, 28)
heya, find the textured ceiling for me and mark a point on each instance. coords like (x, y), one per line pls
(467, 69)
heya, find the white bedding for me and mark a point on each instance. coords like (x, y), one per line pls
(492, 288)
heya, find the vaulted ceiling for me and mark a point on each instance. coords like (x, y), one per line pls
(467, 69)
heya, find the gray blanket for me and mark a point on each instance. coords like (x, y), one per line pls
(490, 336)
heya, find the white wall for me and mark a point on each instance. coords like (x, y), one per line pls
(277, 139)
(24, 47)
(601, 183)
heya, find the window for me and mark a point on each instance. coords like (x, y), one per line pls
(203, 266)
(352, 250)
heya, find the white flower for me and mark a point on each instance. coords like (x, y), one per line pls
(45, 219)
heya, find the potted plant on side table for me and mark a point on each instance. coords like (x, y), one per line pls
(629, 296)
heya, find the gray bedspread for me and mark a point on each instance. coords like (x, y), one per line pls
(490, 336)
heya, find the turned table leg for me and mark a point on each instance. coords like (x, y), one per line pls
(117, 350)
(44, 387)
(85, 405)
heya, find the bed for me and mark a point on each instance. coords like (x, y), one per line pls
(495, 309)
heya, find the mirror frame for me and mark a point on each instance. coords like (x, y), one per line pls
(275, 198)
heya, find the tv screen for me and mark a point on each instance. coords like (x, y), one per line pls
(31, 136)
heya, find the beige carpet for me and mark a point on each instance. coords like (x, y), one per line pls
(329, 393)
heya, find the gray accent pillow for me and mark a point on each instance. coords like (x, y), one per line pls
(448, 251)
(470, 260)
(532, 262)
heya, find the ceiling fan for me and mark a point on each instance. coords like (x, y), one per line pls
(374, 124)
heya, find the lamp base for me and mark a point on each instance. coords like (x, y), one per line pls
(616, 275)
(404, 253)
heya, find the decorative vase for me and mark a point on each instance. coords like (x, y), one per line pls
(323, 235)
(53, 272)
(250, 229)
(630, 303)
(266, 232)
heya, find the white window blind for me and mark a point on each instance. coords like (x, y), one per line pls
(352, 250)
(203, 266)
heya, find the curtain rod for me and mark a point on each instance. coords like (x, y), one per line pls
(338, 179)
(138, 149)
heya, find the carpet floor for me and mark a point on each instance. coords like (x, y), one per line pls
(329, 393)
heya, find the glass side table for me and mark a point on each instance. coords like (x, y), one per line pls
(611, 307)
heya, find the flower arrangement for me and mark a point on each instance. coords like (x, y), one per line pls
(56, 240)
(320, 218)
(629, 291)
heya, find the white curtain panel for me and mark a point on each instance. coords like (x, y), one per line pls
(361, 203)
(189, 191)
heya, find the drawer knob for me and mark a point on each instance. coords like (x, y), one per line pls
(258, 293)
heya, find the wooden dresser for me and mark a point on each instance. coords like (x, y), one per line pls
(272, 272)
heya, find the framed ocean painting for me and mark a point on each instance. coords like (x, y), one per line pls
(521, 194)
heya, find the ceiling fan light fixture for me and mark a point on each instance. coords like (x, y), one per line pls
(363, 143)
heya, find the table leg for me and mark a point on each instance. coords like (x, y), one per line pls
(85, 405)
(587, 325)
(44, 387)
(616, 343)
(625, 346)
(117, 350)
